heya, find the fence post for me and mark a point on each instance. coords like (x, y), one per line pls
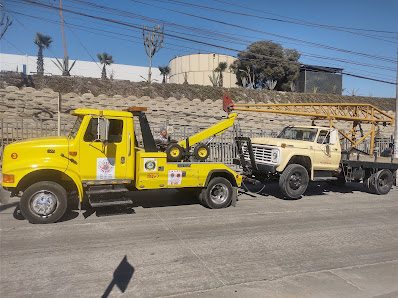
(59, 113)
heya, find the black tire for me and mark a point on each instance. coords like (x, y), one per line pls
(201, 152)
(201, 196)
(218, 193)
(294, 181)
(45, 194)
(366, 184)
(174, 152)
(382, 182)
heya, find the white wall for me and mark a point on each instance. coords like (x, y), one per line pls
(198, 68)
(9, 62)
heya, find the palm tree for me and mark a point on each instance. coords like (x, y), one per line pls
(43, 42)
(164, 71)
(222, 66)
(105, 59)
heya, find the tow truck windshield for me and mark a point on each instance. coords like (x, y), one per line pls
(298, 133)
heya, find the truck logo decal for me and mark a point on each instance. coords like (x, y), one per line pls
(174, 177)
(14, 155)
(105, 168)
(150, 164)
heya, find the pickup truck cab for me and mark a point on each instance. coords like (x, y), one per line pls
(299, 154)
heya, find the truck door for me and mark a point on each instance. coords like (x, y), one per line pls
(327, 156)
(104, 160)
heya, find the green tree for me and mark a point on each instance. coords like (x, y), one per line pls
(105, 59)
(222, 66)
(43, 42)
(164, 71)
(267, 61)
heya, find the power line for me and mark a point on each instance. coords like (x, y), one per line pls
(176, 2)
(306, 22)
(126, 24)
(272, 34)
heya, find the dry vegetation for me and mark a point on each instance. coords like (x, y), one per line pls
(82, 85)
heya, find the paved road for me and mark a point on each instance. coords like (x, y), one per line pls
(331, 243)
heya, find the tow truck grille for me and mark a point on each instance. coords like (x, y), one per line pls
(262, 153)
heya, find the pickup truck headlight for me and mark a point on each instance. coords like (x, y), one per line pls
(275, 155)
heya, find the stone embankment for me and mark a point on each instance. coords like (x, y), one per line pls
(34, 105)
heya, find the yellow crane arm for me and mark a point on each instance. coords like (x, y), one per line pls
(214, 130)
(364, 113)
(356, 112)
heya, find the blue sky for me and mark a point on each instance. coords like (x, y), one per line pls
(87, 36)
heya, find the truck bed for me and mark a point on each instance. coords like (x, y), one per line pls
(360, 159)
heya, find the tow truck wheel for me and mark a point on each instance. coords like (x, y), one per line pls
(382, 182)
(201, 152)
(174, 152)
(294, 181)
(43, 202)
(218, 193)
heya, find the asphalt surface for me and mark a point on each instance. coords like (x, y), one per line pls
(333, 242)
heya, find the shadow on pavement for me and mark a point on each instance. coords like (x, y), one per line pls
(121, 277)
(144, 199)
(7, 206)
(314, 189)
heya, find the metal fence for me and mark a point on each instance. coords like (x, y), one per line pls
(222, 148)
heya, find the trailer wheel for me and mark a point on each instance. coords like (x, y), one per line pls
(43, 202)
(201, 152)
(382, 182)
(294, 181)
(218, 193)
(174, 152)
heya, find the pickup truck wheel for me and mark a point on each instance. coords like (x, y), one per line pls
(218, 193)
(174, 152)
(201, 152)
(366, 184)
(43, 202)
(382, 182)
(294, 181)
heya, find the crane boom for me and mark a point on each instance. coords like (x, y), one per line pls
(356, 112)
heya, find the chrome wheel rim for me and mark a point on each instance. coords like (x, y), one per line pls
(219, 193)
(43, 203)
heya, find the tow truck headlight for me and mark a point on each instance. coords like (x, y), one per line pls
(275, 155)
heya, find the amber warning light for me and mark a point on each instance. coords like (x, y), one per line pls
(135, 109)
(8, 178)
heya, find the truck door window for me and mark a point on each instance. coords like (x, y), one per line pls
(76, 127)
(115, 131)
(324, 137)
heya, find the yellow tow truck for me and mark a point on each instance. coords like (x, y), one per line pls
(101, 160)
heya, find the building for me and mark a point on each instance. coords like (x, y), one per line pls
(196, 69)
(320, 79)
(27, 65)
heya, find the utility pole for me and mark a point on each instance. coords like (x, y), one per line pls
(396, 112)
(65, 71)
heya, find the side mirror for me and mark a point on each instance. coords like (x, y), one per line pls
(103, 130)
(333, 137)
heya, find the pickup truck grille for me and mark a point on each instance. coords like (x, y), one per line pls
(262, 153)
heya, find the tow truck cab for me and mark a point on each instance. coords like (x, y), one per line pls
(101, 159)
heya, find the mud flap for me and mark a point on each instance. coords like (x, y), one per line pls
(234, 196)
